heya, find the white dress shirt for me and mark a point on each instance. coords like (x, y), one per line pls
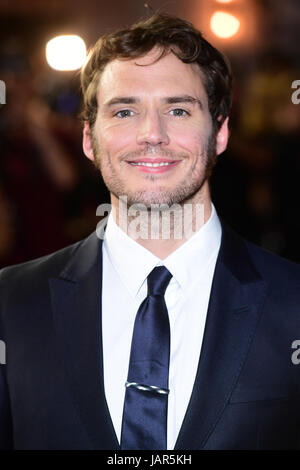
(126, 265)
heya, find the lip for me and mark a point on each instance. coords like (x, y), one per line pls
(158, 169)
(152, 160)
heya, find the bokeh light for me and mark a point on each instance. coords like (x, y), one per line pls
(224, 25)
(67, 52)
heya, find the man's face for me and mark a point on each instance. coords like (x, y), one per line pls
(153, 135)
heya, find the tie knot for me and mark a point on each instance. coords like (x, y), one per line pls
(158, 280)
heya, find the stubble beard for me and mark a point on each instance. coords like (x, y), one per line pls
(187, 191)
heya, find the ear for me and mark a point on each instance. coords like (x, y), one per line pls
(222, 137)
(87, 142)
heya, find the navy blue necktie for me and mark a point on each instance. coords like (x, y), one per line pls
(144, 423)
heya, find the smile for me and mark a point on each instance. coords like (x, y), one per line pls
(154, 167)
(152, 164)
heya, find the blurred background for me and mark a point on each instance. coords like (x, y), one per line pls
(49, 191)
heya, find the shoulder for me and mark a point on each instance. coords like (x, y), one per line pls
(273, 266)
(249, 261)
(280, 276)
(33, 274)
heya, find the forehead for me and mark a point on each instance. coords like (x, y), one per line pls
(147, 75)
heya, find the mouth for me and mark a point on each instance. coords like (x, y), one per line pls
(157, 165)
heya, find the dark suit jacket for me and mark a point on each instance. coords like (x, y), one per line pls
(247, 389)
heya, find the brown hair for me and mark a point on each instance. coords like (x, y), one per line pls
(171, 34)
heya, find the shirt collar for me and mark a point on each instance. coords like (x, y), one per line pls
(134, 263)
(191, 260)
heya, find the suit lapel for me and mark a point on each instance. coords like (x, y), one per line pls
(235, 306)
(76, 301)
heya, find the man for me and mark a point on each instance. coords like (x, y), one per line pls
(131, 339)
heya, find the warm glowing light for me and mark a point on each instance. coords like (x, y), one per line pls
(224, 1)
(224, 25)
(66, 52)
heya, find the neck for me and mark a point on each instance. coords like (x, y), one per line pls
(162, 230)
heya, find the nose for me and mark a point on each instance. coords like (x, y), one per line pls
(152, 130)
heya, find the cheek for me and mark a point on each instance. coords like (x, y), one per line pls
(115, 139)
(192, 142)
(192, 136)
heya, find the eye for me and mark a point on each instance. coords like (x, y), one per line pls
(124, 113)
(179, 112)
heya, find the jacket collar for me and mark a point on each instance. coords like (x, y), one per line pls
(76, 303)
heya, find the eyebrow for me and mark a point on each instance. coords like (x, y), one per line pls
(167, 100)
(183, 99)
(121, 100)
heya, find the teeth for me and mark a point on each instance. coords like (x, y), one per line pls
(151, 164)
